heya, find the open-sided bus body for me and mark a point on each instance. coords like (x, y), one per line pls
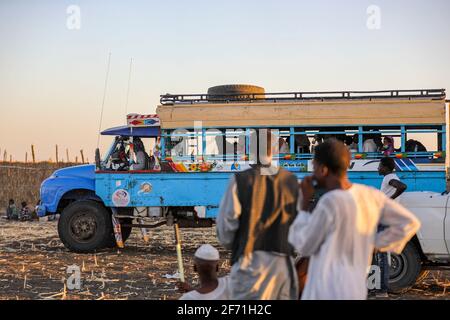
(196, 175)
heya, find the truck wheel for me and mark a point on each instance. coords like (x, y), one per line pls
(405, 269)
(85, 226)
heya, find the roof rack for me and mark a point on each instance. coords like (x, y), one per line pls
(434, 94)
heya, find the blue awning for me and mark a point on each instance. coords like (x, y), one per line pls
(136, 132)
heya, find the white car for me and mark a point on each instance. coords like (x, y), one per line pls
(429, 248)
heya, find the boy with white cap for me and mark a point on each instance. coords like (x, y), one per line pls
(206, 264)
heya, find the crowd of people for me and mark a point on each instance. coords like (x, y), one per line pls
(314, 240)
(131, 155)
(373, 143)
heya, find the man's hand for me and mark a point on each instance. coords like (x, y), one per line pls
(307, 189)
(184, 286)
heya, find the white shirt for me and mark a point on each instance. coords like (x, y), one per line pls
(339, 236)
(284, 148)
(386, 188)
(369, 146)
(220, 293)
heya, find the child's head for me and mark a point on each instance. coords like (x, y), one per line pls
(11, 202)
(24, 204)
(206, 261)
(386, 166)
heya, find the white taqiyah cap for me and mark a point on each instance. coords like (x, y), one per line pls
(207, 252)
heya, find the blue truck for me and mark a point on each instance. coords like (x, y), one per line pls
(194, 143)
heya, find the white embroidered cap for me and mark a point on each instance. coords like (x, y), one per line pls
(207, 252)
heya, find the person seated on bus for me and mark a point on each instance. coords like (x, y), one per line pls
(348, 141)
(378, 141)
(352, 143)
(388, 146)
(317, 139)
(119, 160)
(303, 143)
(142, 158)
(283, 145)
(224, 147)
(369, 144)
(372, 143)
(414, 146)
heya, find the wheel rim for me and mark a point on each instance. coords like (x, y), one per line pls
(398, 267)
(83, 226)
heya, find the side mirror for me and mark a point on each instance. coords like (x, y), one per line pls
(97, 159)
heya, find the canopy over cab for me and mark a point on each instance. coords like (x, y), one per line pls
(138, 125)
(125, 131)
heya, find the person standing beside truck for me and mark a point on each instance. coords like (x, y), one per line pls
(391, 185)
(254, 218)
(393, 188)
(340, 233)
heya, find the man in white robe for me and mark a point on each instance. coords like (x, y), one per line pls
(340, 234)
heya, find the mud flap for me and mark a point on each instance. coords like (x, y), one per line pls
(117, 229)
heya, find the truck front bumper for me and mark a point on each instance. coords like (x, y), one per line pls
(41, 210)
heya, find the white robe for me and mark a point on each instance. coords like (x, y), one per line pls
(340, 236)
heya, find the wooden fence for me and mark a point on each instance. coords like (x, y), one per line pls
(21, 181)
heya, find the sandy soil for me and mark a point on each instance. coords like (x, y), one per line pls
(33, 265)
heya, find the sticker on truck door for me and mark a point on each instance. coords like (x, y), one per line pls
(121, 198)
(145, 187)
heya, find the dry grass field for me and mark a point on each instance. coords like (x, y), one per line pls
(33, 265)
(34, 262)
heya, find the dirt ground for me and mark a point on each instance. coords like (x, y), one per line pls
(33, 265)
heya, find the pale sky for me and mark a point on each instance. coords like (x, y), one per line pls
(52, 77)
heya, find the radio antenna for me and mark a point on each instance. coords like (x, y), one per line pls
(103, 100)
(128, 87)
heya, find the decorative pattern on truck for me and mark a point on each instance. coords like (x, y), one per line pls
(363, 165)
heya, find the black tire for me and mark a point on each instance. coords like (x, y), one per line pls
(85, 226)
(231, 92)
(405, 270)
